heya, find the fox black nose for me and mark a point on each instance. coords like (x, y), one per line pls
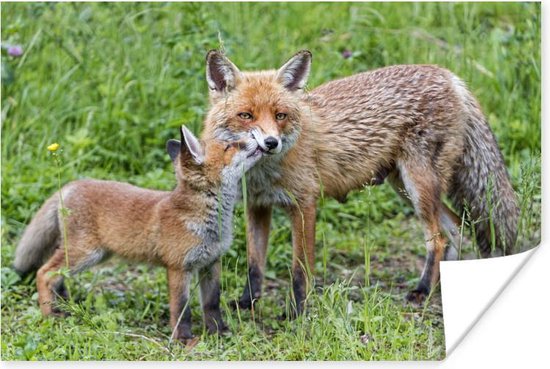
(271, 142)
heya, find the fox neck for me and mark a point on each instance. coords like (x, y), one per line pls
(215, 231)
(219, 220)
(265, 179)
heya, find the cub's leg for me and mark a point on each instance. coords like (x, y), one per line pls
(48, 282)
(210, 298)
(178, 286)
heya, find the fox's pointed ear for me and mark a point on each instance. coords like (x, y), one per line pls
(221, 74)
(191, 145)
(174, 148)
(293, 74)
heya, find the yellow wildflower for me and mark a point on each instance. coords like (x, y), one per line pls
(53, 147)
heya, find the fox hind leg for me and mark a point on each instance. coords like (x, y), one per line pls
(50, 283)
(423, 190)
(60, 290)
(449, 221)
(46, 282)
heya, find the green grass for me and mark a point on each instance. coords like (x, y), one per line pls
(112, 82)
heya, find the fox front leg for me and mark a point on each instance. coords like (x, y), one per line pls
(303, 252)
(210, 298)
(259, 221)
(178, 286)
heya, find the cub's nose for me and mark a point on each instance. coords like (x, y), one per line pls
(271, 142)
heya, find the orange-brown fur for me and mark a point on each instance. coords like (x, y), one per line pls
(163, 228)
(416, 125)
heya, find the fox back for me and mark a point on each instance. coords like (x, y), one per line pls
(354, 131)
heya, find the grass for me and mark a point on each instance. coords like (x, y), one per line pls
(112, 82)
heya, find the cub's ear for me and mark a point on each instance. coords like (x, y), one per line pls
(174, 148)
(293, 74)
(221, 74)
(190, 145)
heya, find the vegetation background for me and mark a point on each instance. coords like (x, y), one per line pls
(111, 82)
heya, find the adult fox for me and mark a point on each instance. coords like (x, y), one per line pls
(416, 125)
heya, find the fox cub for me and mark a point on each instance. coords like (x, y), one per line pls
(184, 230)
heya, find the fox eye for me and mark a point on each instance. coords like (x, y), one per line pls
(280, 116)
(245, 115)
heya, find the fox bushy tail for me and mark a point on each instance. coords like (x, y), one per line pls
(39, 239)
(481, 184)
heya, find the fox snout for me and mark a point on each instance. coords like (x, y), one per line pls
(247, 144)
(269, 143)
(248, 148)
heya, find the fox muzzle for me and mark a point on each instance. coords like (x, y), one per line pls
(269, 144)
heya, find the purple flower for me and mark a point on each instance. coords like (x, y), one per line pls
(346, 54)
(15, 50)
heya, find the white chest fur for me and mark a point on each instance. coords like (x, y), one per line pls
(262, 184)
(263, 180)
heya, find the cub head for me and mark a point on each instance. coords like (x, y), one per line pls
(207, 164)
(266, 104)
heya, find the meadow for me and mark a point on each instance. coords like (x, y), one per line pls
(111, 82)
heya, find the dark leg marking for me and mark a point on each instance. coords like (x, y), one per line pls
(253, 289)
(422, 290)
(184, 326)
(299, 289)
(61, 290)
(210, 298)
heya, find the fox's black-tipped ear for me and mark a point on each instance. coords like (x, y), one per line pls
(191, 145)
(174, 148)
(221, 74)
(293, 74)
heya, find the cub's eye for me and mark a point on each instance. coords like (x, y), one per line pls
(245, 116)
(280, 116)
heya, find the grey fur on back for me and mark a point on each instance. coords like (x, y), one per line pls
(481, 183)
(39, 239)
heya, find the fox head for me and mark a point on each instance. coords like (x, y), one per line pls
(265, 104)
(211, 163)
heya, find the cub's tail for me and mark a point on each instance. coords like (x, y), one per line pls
(40, 238)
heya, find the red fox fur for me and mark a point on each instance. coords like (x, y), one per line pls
(184, 230)
(417, 126)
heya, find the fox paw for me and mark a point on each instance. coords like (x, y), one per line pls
(291, 314)
(189, 342)
(58, 313)
(416, 297)
(284, 316)
(243, 304)
(220, 329)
